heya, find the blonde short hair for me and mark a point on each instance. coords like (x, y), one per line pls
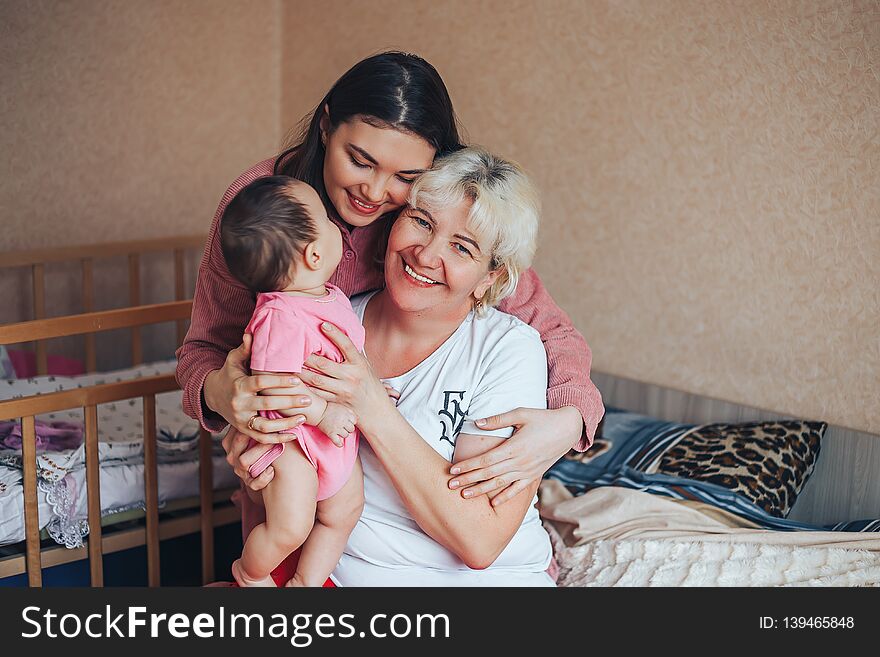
(504, 209)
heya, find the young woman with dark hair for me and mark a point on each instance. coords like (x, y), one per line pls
(388, 91)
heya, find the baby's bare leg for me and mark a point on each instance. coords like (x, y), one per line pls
(335, 521)
(290, 513)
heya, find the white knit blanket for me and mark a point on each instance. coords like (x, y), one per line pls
(688, 563)
(620, 537)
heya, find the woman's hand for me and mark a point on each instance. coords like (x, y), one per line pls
(241, 459)
(234, 394)
(351, 383)
(540, 439)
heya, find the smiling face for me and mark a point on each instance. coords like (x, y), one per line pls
(435, 264)
(368, 170)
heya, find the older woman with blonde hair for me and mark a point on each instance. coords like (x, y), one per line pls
(434, 336)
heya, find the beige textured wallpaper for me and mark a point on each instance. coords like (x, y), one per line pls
(709, 170)
(709, 174)
(127, 120)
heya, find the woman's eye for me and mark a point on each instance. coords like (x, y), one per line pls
(358, 164)
(422, 223)
(407, 181)
(461, 249)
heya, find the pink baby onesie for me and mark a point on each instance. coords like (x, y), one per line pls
(286, 329)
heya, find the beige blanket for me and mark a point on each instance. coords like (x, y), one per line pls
(618, 536)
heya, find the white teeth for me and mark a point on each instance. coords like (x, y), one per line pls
(363, 205)
(416, 276)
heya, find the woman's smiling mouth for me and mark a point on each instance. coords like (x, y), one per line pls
(362, 206)
(418, 277)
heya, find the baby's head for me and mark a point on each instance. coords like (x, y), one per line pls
(276, 235)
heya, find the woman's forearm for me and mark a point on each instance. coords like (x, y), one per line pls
(471, 528)
(209, 389)
(194, 367)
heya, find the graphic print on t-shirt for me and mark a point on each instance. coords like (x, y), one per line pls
(451, 415)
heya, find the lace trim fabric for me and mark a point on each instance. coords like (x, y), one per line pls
(63, 527)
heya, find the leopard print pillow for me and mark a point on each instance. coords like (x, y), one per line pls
(765, 462)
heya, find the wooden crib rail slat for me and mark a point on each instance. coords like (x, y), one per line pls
(107, 250)
(105, 320)
(39, 282)
(206, 487)
(81, 397)
(31, 506)
(88, 293)
(93, 489)
(134, 299)
(151, 490)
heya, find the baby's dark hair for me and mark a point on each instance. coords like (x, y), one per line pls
(262, 228)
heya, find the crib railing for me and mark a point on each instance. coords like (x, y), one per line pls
(88, 398)
(38, 259)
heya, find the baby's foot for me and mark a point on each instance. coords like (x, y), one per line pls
(246, 581)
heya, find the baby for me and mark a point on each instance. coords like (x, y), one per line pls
(279, 242)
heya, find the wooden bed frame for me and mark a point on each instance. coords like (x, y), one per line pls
(89, 323)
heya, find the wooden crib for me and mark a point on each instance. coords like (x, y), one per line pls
(211, 509)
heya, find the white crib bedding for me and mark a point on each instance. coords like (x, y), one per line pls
(61, 474)
(63, 508)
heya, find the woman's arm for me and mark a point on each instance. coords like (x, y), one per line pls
(568, 356)
(471, 528)
(541, 436)
(208, 342)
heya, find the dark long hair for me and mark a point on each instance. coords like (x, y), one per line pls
(390, 90)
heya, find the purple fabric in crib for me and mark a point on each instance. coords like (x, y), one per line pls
(51, 436)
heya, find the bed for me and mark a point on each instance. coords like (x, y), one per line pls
(78, 479)
(709, 493)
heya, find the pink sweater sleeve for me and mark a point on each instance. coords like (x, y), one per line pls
(568, 356)
(222, 308)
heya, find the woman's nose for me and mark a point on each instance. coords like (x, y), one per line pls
(428, 254)
(373, 190)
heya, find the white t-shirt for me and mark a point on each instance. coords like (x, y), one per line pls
(490, 365)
